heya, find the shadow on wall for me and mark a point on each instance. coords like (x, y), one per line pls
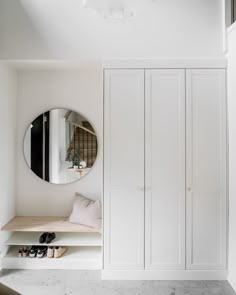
(17, 30)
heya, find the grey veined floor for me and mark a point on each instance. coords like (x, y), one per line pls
(72, 282)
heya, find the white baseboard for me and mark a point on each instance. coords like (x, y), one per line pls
(164, 275)
(232, 282)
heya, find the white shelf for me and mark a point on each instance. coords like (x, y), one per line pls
(75, 258)
(85, 243)
(62, 239)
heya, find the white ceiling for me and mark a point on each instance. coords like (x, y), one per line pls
(63, 29)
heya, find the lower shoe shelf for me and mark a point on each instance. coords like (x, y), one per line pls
(62, 239)
(74, 258)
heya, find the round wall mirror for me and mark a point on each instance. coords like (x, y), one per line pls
(60, 146)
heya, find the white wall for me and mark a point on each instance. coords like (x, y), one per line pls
(39, 90)
(62, 29)
(232, 154)
(8, 87)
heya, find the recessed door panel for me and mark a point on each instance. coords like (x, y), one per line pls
(206, 169)
(165, 169)
(124, 169)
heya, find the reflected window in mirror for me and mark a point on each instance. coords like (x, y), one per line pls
(60, 146)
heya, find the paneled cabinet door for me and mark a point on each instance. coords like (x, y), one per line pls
(124, 169)
(206, 169)
(165, 169)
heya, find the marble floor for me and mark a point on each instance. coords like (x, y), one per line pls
(72, 282)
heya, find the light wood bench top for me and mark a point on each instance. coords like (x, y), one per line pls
(45, 224)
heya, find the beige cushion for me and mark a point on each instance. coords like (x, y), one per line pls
(86, 212)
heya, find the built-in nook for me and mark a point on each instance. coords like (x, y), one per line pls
(30, 205)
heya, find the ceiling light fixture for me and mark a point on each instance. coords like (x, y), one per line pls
(113, 10)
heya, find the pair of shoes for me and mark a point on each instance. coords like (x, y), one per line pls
(47, 238)
(56, 252)
(23, 252)
(20, 252)
(37, 251)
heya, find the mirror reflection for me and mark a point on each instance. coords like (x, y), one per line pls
(60, 146)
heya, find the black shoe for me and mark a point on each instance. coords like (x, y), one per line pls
(41, 251)
(42, 238)
(33, 251)
(50, 237)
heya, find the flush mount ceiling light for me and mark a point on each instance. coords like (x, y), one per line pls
(110, 9)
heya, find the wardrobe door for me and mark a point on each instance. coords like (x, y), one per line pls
(206, 169)
(165, 169)
(124, 169)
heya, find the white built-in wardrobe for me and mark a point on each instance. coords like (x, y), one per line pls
(165, 173)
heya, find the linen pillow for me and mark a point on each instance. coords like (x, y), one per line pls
(87, 212)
